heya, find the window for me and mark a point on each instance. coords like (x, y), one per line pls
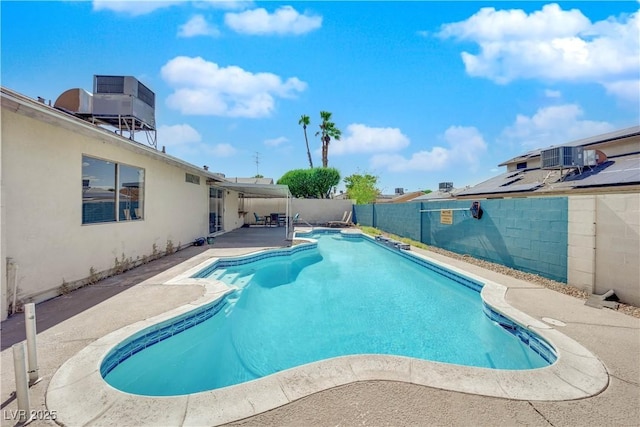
(193, 179)
(99, 195)
(130, 184)
(521, 165)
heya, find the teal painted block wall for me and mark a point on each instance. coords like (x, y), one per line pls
(525, 234)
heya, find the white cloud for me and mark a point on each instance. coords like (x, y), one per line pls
(628, 90)
(221, 150)
(133, 8)
(465, 145)
(285, 20)
(184, 141)
(361, 138)
(552, 44)
(198, 26)
(552, 93)
(226, 5)
(176, 135)
(274, 142)
(552, 126)
(204, 88)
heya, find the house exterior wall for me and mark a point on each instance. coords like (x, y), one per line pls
(42, 207)
(233, 218)
(3, 257)
(619, 147)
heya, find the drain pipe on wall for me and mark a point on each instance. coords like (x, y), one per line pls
(12, 281)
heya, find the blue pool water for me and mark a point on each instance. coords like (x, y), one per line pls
(347, 296)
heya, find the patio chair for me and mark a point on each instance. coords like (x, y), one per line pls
(297, 219)
(346, 222)
(344, 216)
(260, 219)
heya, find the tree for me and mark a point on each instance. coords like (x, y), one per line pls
(311, 183)
(327, 131)
(324, 179)
(304, 121)
(298, 181)
(362, 188)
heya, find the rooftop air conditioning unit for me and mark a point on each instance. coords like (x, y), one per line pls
(399, 190)
(75, 101)
(123, 96)
(445, 187)
(562, 158)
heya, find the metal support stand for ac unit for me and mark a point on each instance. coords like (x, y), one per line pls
(131, 125)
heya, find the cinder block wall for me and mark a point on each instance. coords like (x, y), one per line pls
(591, 241)
(526, 234)
(400, 219)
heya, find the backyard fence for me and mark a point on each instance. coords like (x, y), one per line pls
(525, 234)
(588, 241)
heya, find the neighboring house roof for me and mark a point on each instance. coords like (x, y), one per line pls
(398, 198)
(251, 180)
(440, 195)
(616, 171)
(585, 142)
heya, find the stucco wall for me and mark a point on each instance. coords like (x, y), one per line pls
(42, 190)
(604, 244)
(320, 211)
(314, 211)
(617, 246)
(232, 217)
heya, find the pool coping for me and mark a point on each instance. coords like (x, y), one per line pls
(576, 374)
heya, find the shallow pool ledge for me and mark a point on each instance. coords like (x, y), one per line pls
(80, 396)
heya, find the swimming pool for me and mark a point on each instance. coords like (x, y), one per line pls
(345, 295)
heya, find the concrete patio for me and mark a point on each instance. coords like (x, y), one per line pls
(69, 323)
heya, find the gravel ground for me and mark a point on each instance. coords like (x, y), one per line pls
(533, 278)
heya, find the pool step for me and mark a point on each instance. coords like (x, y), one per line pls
(232, 278)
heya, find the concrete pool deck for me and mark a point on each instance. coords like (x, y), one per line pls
(612, 337)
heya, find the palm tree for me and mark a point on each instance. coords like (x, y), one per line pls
(327, 131)
(304, 121)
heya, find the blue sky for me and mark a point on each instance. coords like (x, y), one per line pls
(423, 92)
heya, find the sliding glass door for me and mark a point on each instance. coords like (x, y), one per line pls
(216, 209)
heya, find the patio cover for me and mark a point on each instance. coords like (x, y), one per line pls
(262, 190)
